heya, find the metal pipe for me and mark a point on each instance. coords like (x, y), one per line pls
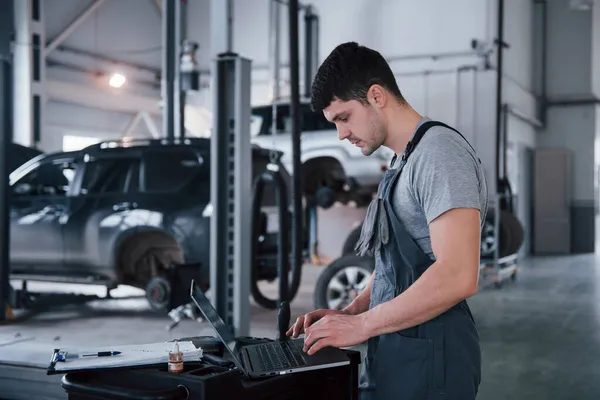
(474, 116)
(179, 94)
(73, 25)
(274, 48)
(435, 71)
(311, 47)
(101, 57)
(274, 35)
(459, 71)
(544, 59)
(523, 117)
(97, 72)
(5, 142)
(426, 92)
(433, 56)
(169, 65)
(272, 177)
(500, 45)
(6, 138)
(457, 99)
(504, 176)
(573, 102)
(297, 220)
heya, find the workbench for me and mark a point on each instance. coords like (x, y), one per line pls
(204, 381)
(23, 379)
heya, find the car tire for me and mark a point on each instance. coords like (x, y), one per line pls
(325, 197)
(342, 281)
(351, 240)
(146, 257)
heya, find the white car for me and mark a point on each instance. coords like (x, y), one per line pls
(332, 170)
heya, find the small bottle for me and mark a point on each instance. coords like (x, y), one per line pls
(176, 360)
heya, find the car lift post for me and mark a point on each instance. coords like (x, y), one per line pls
(6, 30)
(231, 176)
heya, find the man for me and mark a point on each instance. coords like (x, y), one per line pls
(423, 231)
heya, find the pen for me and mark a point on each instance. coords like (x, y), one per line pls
(64, 356)
(99, 354)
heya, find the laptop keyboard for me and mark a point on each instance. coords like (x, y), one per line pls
(279, 355)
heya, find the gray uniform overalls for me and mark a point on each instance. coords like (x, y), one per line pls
(440, 359)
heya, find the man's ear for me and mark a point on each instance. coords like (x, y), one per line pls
(377, 95)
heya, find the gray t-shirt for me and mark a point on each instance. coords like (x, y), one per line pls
(442, 173)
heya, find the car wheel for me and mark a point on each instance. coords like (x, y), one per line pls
(325, 197)
(351, 240)
(144, 260)
(158, 293)
(341, 281)
(488, 239)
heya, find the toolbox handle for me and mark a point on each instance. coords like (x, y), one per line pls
(109, 392)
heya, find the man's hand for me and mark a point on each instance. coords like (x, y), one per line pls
(337, 330)
(304, 321)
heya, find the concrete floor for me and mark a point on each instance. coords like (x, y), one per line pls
(539, 334)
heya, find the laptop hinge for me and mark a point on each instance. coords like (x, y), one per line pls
(246, 363)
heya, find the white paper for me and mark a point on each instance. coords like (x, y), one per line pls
(131, 355)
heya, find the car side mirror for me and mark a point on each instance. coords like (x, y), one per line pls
(23, 189)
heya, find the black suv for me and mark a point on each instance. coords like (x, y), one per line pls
(114, 213)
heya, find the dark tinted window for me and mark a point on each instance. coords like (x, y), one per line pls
(49, 179)
(106, 176)
(169, 170)
(309, 120)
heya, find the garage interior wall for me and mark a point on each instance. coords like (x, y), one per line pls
(570, 118)
(79, 102)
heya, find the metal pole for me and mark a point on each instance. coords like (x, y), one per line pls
(169, 67)
(500, 44)
(179, 94)
(311, 47)
(6, 133)
(297, 223)
(231, 177)
(274, 35)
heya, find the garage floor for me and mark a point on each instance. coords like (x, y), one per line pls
(539, 335)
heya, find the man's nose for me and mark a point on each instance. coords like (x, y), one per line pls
(343, 133)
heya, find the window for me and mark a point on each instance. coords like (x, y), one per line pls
(169, 170)
(48, 179)
(106, 176)
(309, 120)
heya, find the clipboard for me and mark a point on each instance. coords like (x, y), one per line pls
(132, 356)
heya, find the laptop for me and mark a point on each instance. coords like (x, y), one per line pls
(278, 357)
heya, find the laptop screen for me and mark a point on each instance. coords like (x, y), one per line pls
(211, 315)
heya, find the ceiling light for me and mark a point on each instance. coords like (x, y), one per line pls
(116, 80)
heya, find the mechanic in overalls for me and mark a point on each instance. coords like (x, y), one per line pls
(423, 230)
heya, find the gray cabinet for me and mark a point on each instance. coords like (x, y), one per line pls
(551, 201)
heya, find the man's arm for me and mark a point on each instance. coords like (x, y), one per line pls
(444, 180)
(360, 304)
(455, 239)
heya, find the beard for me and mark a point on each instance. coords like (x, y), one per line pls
(377, 134)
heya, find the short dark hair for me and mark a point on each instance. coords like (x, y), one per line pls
(348, 73)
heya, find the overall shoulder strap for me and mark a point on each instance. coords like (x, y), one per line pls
(410, 147)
